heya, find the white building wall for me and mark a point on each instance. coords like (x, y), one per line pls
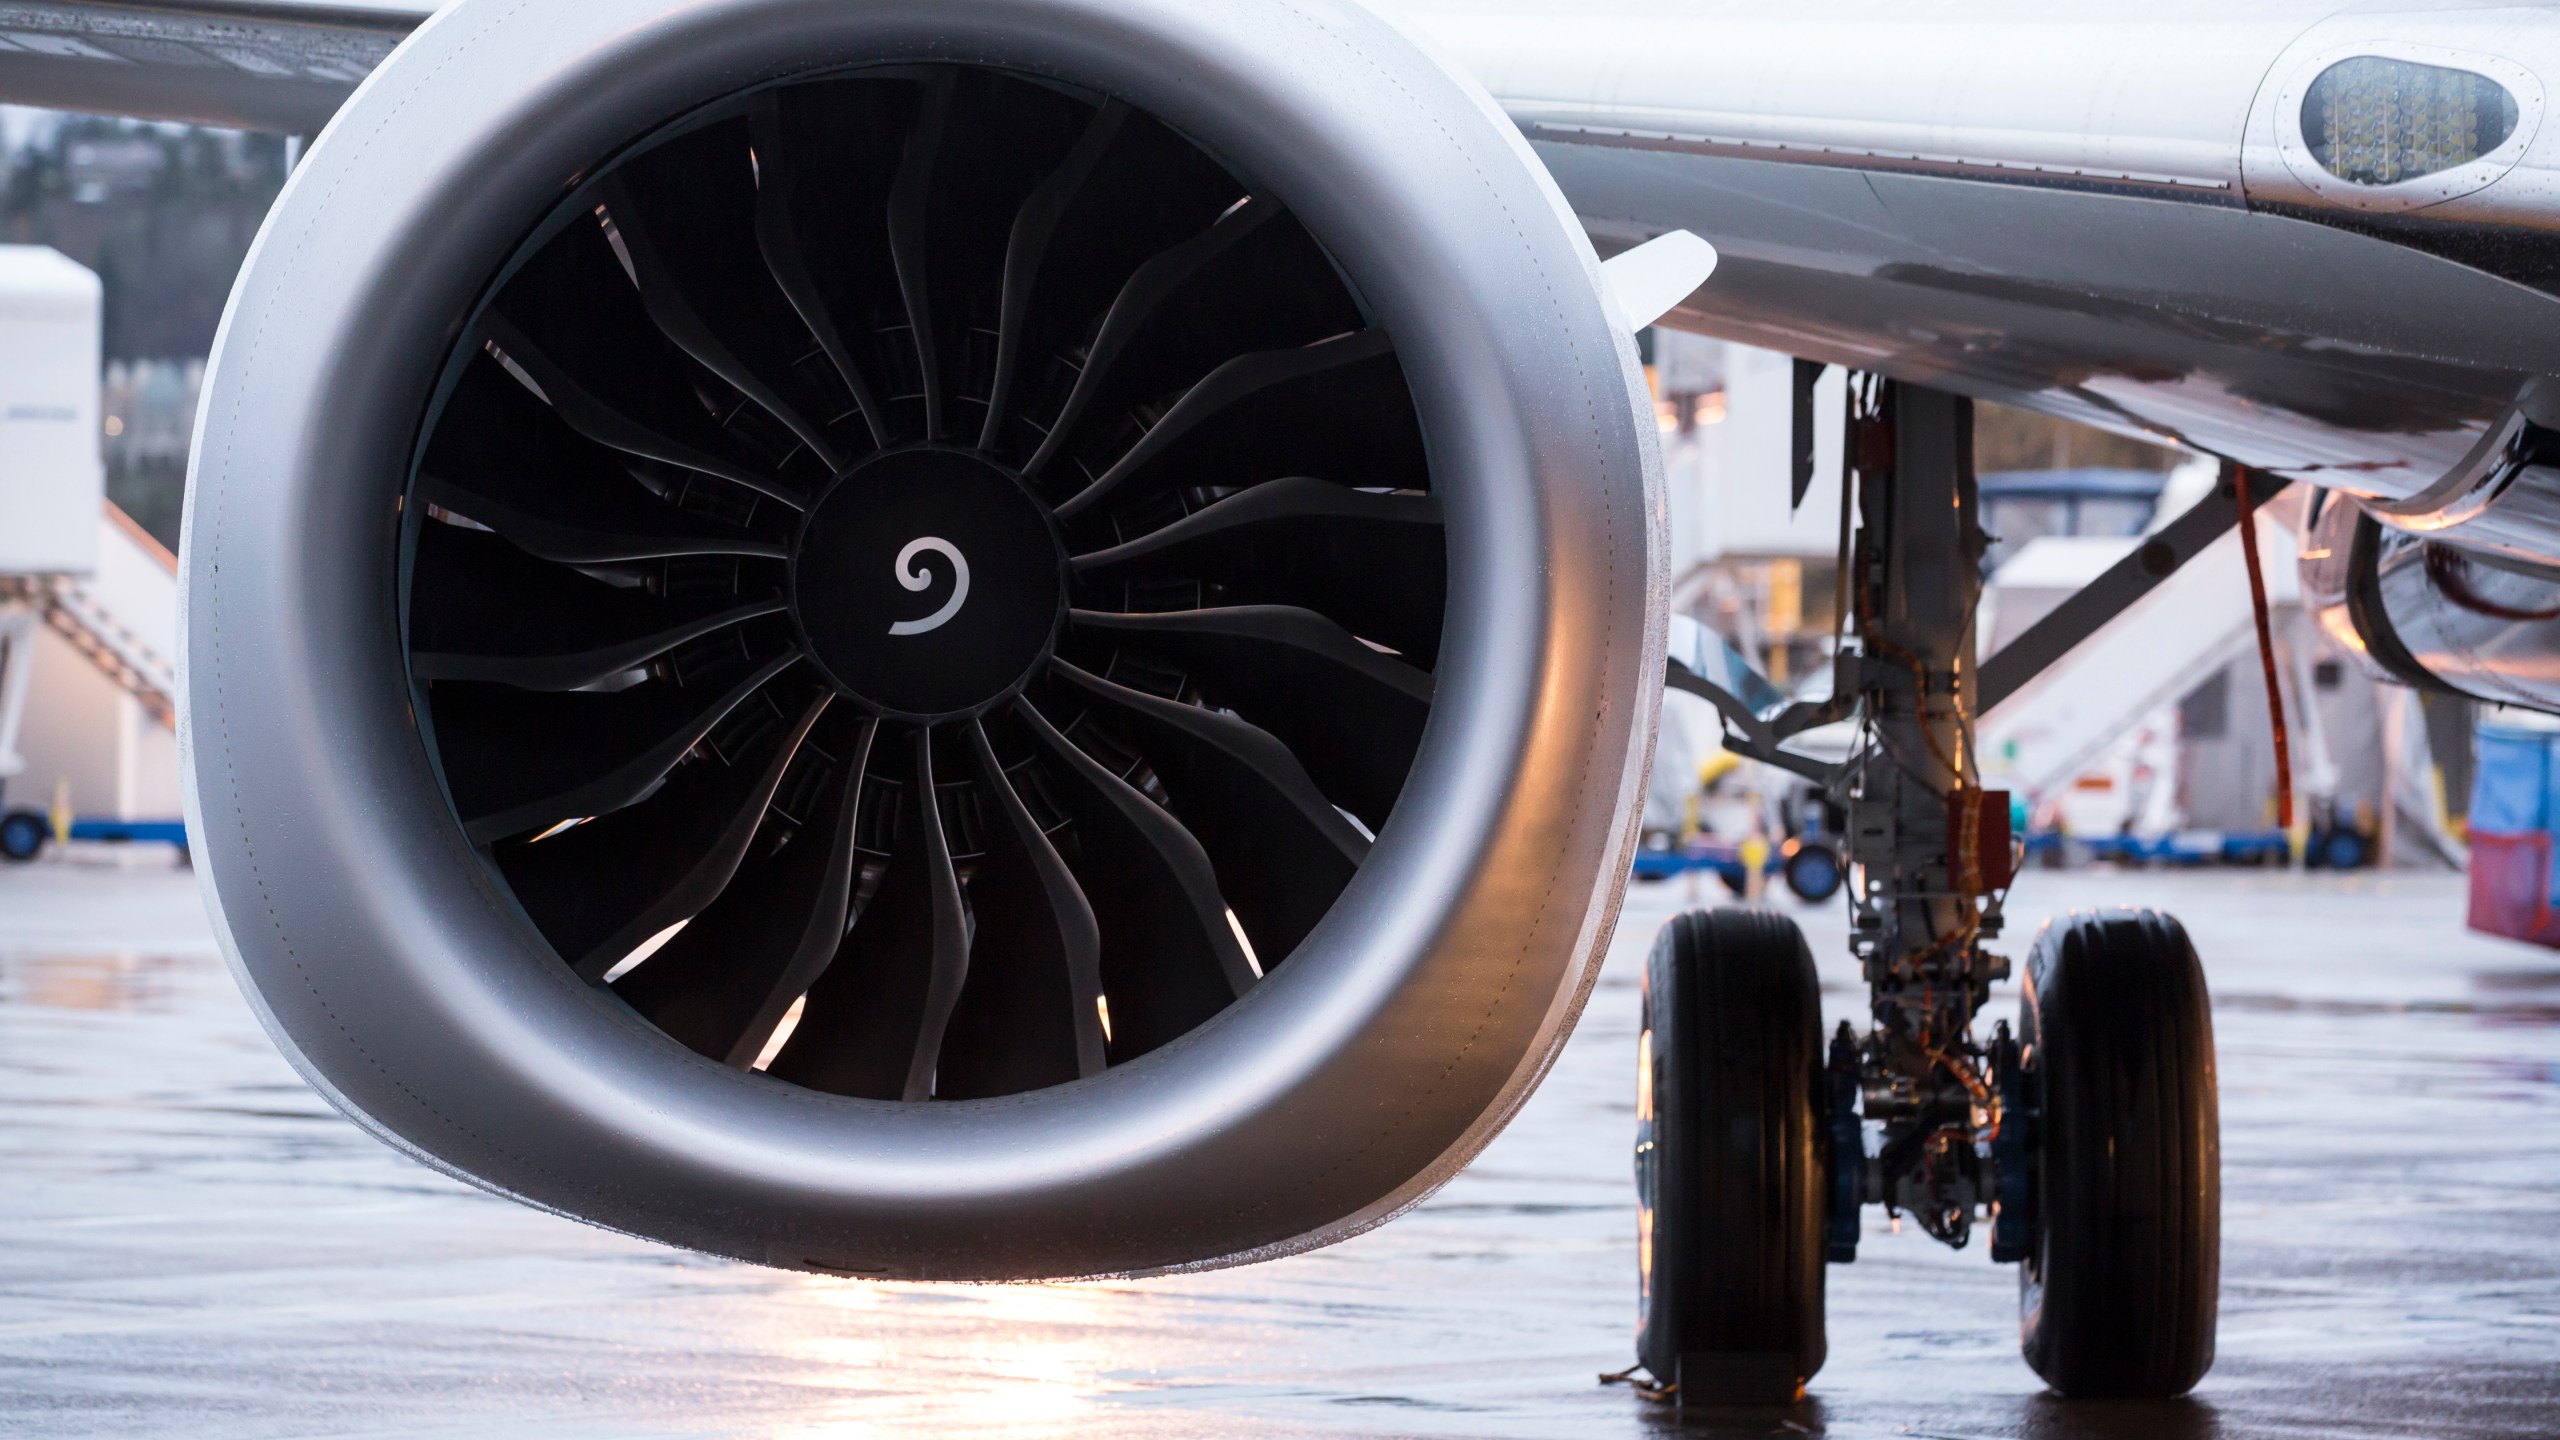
(1728, 472)
(1748, 510)
(52, 479)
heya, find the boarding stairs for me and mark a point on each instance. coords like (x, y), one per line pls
(122, 617)
(2162, 646)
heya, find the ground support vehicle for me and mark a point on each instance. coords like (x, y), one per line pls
(1811, 868)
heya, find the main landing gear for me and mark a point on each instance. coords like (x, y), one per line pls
(2087, 1139)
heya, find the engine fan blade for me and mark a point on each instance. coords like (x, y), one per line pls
(1136, 303)
(1351, 715)
(685, 213)
(1374, 564)
(589, 666)
(1150, 191)
(483, 610)
(778, 239)
(1168, 950)
(874, 1022)
(506, 461)
(843, 146)
(909, 199)
(571, 544)
(1237, 380)
(1034, 226)
(1032, 1012)
(857, 1032)
(577, 300)
(610, 424)
(950, 931)
(1351, 424)
(516, 760)
(723, 984)
(599, 889)
(1282, 852)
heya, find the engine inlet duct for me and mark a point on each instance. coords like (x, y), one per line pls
(985, 640)
(781, 371)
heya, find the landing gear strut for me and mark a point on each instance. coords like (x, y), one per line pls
(2087, 1139)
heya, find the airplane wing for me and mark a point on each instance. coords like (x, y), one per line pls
(2106, 214)
(253, 65)
(2112, 213)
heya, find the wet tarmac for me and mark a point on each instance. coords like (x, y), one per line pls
(193, 1244)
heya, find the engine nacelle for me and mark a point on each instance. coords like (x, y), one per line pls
(976, 639)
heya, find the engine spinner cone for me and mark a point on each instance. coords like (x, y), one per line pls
(928, 582)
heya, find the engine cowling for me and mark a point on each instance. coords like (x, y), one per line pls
(980, 639)
(2433, 614)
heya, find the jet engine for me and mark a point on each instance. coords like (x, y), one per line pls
(964, 639)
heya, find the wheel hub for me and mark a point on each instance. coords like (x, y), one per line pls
(929, 583)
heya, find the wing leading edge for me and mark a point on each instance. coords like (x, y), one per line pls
(275, 65)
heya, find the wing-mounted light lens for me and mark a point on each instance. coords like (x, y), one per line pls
(2376, 121)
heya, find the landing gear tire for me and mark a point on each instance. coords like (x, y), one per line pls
(22, 836)
(2118, 1290)
(1813, 872)
(1731, 1160)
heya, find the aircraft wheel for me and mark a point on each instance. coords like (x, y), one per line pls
(22, 835)
(2118, 1289)
(1731, 1160)
(1813, 872)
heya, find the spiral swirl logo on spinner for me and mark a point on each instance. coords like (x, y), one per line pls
(915, 578)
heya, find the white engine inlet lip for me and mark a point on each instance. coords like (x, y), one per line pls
(381, 957)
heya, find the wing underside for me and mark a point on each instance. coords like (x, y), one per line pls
(251, 66)
(2062, 207)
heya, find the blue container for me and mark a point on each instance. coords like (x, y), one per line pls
(2515, 799)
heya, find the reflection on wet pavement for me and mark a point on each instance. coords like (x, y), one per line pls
(92, 982)
(192, 1243)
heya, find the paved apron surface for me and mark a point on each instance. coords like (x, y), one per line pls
(193, 1244)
